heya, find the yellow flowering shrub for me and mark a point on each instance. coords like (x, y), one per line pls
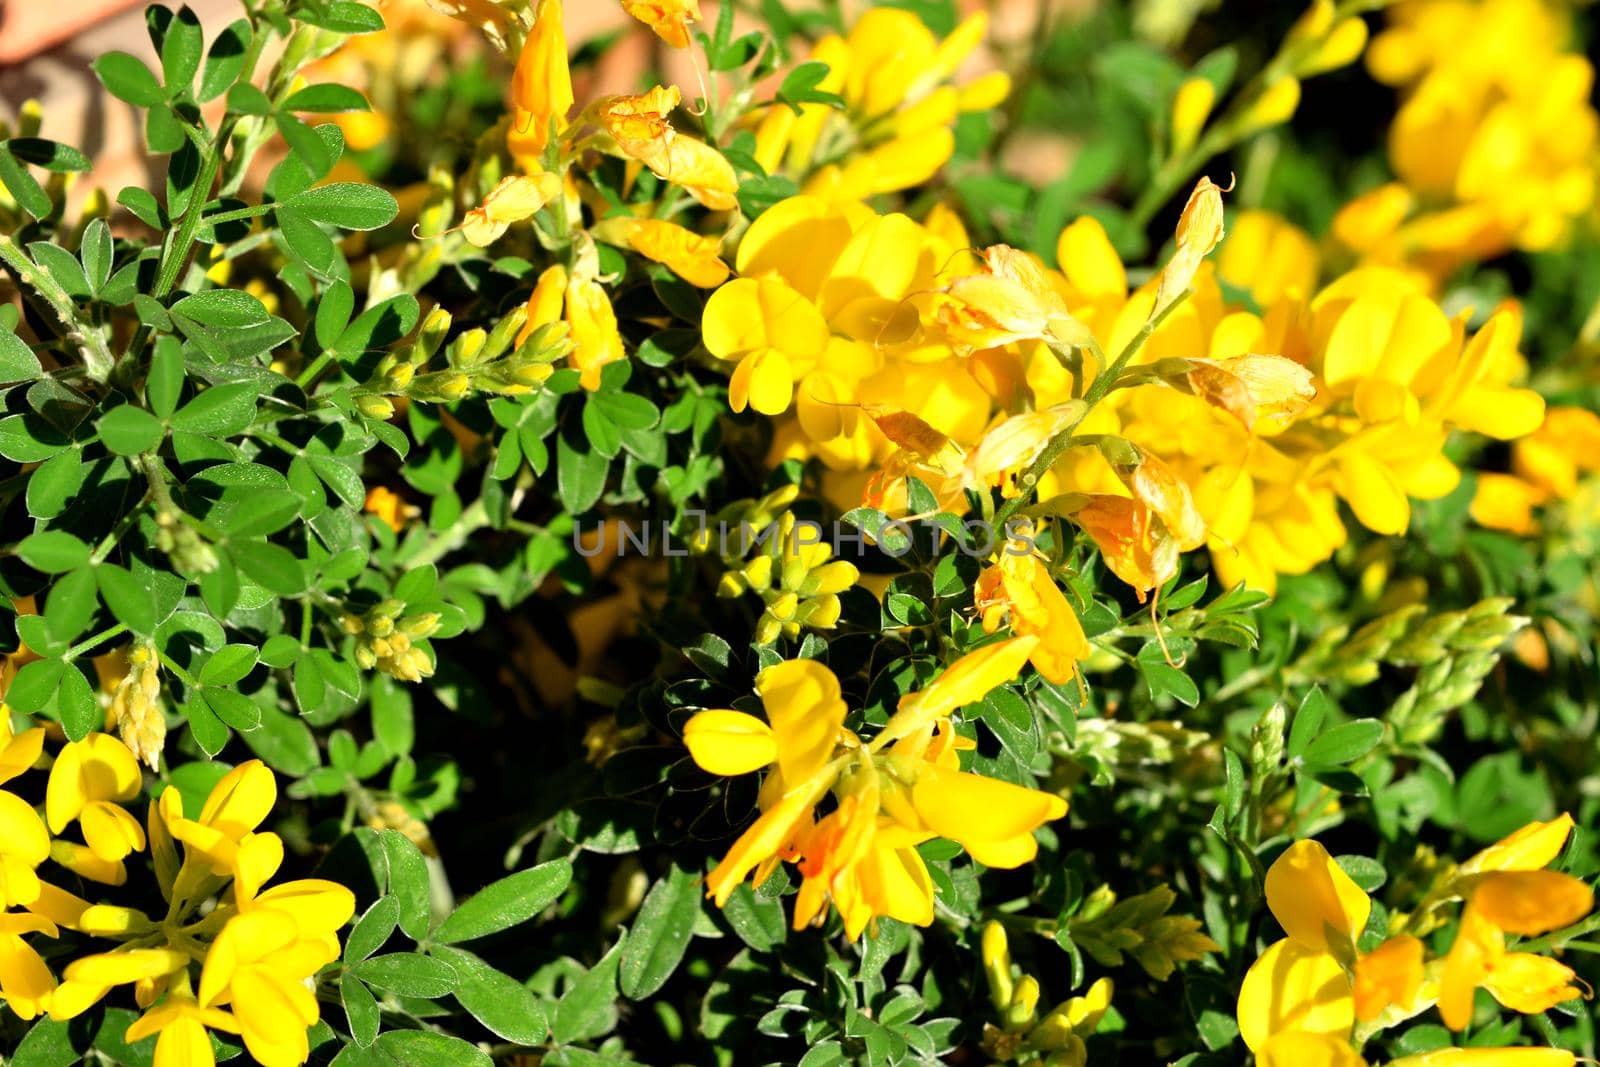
(897, 533)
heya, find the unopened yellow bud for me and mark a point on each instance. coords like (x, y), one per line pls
(469, 349)
(997, 965)
(1274, 106)
(1314, 24)
(1191, 106)
(1024, 1000)
(1340, 48)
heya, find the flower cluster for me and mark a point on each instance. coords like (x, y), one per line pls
(231, 954)
(1332, 971)
(1057, 1038)
(888, 795)
(1494, 145)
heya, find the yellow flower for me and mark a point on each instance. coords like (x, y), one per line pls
(1020, 590)
(541, 88)
(89, 782)
(771, 332)
(181, 1024)
(1269, 256)
(1011, 300)
(1296, 1049)
(668, 18)
(892, 794)
(515, 199)
(640, 128)
(895, 78)
(389, 507)
(258, 966)
(692, 257)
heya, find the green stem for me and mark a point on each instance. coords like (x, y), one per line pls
(1561, 938)
(475, 517)
(97, 359)
(236, 215)
(89, 642)
(183, 675)
(112, 539)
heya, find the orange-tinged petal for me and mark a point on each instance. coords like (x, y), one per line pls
(1531, 984)
(1389, 974)
(1531, 903)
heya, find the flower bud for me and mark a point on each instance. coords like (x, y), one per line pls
(997, 965)
(1273, 107)
(1191, 106)
(375, 407)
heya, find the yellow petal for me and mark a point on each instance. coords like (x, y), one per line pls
(1531, 903)
(1292, 988)
(763, 380)
(1308, 1050)
(111, 831)
(1478, 946)
(1389, 974)
(241, 799)
(801, 697)
(775, 828)
(1373, 493)
(1528, 849)
(130, 965)
(1531, 984)
(966, 681)
(729, 742)
(1315, 902)
(1489, 1057)
(973, 808)
(317, 905)
(22, 832)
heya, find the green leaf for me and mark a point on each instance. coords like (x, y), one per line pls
(580, 476)
(132, 602)
(29, 439)
(589, 1007)
(333, 313)
(79, 710)
(126, 78)
(502, 1004)
(220, 411)
(95, 252)
(54, 483)
(661, 933)
(326, 97)
(164, 384)
(235, 709)
(63, 267)
(343, 16)
(408, 973)
(758, 920)
(181, 50)
(348, 205)
(225, 60)
(426, 1046)
(21, 185)
(53, 156)
(628, 410)
(209, 732)
(228, 665)
(361, 1008)
(1344, 744)
(34, 685)
(372, 930)
(128, 430)
(270, 566)
(408, 880)
(500, 905)
(1308, 720)
(142, 204)
(222, 308)
(53, 551)
(47, 1044)
(800, 87)
(17, 361)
